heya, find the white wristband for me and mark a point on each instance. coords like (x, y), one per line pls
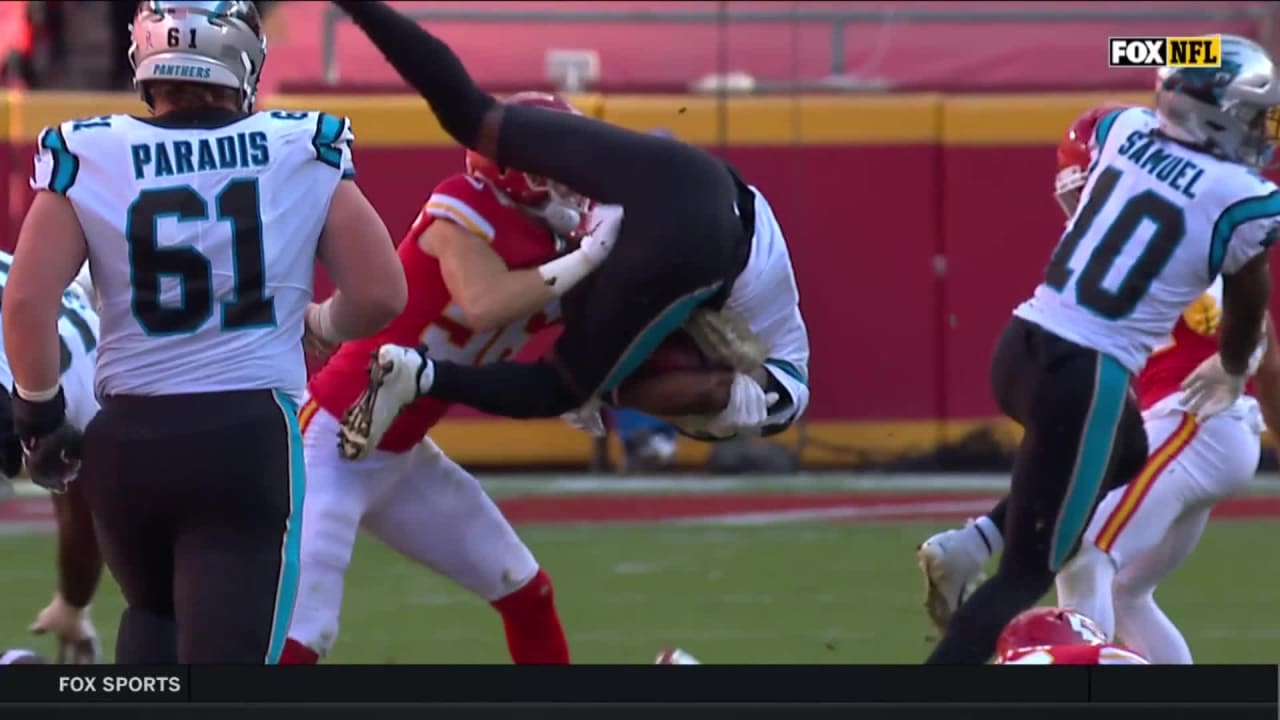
(37, 395)
(320, 322)
(562, 273)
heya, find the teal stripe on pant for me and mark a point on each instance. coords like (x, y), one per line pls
(291, 555)
(1110, 388)
(652, 336)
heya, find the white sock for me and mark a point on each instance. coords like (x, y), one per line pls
(427, 376)
(989, 536)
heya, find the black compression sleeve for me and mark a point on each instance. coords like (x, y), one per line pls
(428, 65)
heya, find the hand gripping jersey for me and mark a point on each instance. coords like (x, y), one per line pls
(1072, 655)
(431, 317)
(1156, 224)
(1193, 340)
(202, 243)
(77, 349)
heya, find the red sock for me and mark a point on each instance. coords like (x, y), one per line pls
(295, 653)
(534, 633)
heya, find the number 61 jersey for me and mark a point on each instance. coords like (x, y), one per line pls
(1157, 222)
(202, 241)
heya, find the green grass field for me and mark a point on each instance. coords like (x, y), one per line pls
(842, 591)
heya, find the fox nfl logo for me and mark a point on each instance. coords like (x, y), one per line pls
(1178, 52)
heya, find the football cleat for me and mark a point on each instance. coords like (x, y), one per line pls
(950, 575)
(395, 375)
(675, 656)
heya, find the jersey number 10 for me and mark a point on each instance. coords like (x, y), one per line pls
(238, 205)
(1169, 227)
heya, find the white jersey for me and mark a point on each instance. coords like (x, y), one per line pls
(766, 296)
(1157, 223)
(77, 346)
(202, 243)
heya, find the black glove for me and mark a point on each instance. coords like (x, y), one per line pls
(50, 445)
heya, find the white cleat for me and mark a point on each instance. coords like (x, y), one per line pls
(675, 656)
(950, 575)
(394, 375)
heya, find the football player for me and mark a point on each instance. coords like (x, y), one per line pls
(79, 564)
(1144, 530)
(1173, 200)
(1054, 636)
(476, 295)
(202, 223)
(697, 244)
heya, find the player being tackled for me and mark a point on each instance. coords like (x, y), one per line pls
(473, 262)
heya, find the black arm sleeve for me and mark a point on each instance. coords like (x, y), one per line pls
(428, 65)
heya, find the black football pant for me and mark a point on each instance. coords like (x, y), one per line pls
(197, 501)
(1082, 433)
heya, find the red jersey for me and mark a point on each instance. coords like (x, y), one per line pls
(431, 317)
(1193, 340)
(1073, 655)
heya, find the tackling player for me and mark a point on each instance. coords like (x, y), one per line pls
(1054, 636)
(695, 237)
(476, 295)
(202, 224)
(1173, 201)
(78, 560)
(1144, 530)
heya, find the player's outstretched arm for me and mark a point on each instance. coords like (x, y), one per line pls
(357, 252)
(1245, 294)
(489, 293)
(79, 570)
(431, 68)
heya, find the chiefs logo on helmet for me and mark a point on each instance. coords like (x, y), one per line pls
(1074, 156)
(565, 211)
(1043, 626)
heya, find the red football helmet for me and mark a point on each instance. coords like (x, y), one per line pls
(1043, 626)
(1073, 156)
(565, 211)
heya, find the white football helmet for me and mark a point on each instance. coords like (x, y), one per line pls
(215, 43)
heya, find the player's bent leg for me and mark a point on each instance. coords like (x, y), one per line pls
(439, 516)
(338, 493)
(1071, 401)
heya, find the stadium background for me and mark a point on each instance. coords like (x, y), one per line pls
(908, 151)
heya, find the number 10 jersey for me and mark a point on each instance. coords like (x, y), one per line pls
(1157, 223)
(202, 242)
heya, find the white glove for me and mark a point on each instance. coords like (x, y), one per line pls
(748, 405)
(77, 640)
(1210, 389)
(608, 223)
(587, 419)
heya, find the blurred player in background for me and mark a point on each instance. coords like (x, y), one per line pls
(1054, 636)
(476, 295)
(202, 225)
(1173, 200)
(78, 560)
(1144, 530)
(693, 232)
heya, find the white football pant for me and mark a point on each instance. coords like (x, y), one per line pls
(420, 503)
(1144, 530)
